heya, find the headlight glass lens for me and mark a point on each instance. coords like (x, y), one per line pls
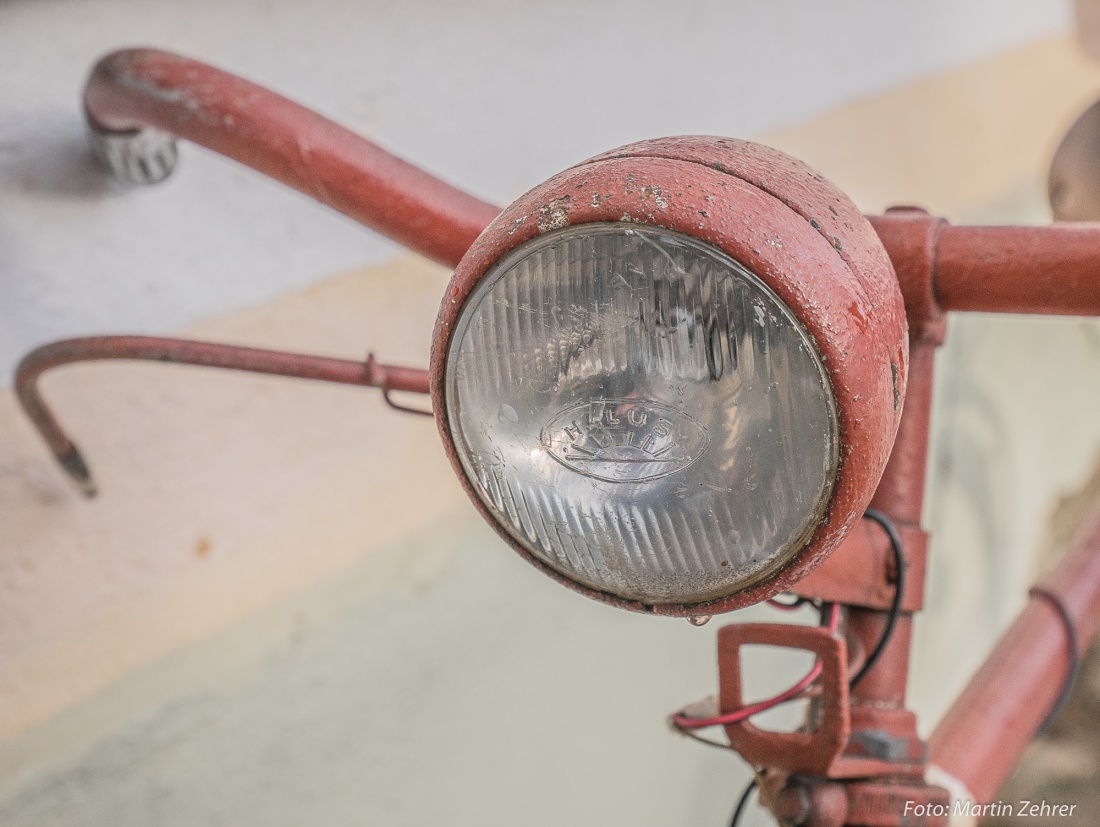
(641, 413)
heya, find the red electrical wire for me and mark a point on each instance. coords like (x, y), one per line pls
(688, 722)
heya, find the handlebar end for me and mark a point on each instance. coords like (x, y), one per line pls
(75, 466)
(138, 158)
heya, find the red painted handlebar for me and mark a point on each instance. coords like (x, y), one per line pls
(141, 88)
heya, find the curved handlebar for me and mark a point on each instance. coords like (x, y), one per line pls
(136, 90)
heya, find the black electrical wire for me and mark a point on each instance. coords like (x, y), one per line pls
(899, 592)
(1074, 646)
(797, 603)
(742, 803)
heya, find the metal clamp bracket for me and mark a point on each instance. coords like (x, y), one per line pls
(809, 751)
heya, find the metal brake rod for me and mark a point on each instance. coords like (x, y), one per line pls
(134, 90)
(187, 352)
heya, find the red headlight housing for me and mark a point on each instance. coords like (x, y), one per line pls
(671, 376)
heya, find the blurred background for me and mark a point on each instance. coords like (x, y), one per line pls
(281, 609)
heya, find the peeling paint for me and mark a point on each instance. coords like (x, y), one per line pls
(555, 215)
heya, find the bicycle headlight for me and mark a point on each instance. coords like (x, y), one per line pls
(666, 381)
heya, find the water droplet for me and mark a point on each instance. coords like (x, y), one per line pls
(699, 620)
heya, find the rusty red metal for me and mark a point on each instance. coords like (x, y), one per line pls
(1037, 270)
(808, 243)
(810, 802)
(1040, 270)
(814, 802)
(911, 239)
(1031, 270)
(813, 752)
(861, 572)
(900, 495)
(1020, 269)
(996, 716)
(186, 352)
(845, 740)
(883, 743)
(145, 88)
(896, 803)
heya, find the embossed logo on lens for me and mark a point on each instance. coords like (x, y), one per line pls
(624, 440)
